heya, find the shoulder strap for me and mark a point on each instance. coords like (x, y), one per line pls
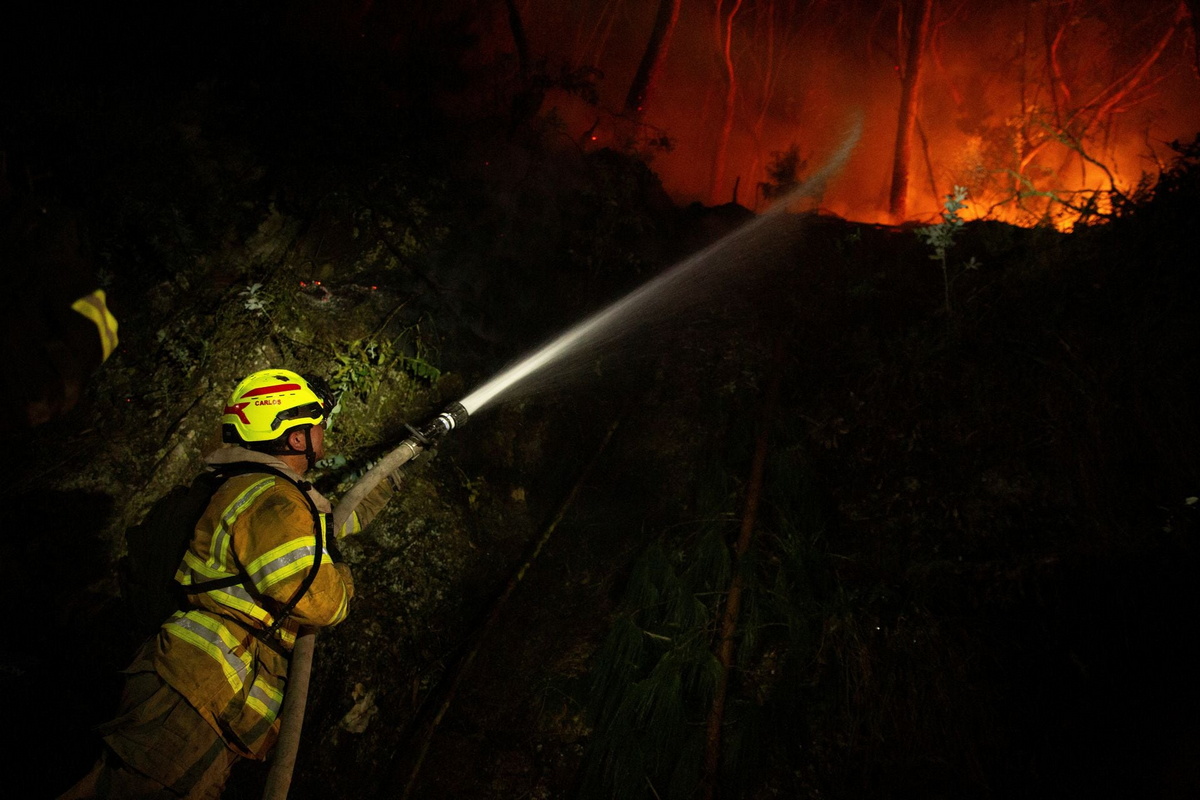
(232, 470)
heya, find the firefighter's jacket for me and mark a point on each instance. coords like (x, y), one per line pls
(217, 654)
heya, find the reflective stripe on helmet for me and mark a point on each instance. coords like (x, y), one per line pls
(283, 387)
(238, 410)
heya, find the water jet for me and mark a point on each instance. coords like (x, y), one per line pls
(685, 284)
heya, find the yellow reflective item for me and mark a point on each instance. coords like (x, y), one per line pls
(94, 306)
(270, 402)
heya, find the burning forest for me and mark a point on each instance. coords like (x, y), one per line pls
(1040, 110)
(776, 398)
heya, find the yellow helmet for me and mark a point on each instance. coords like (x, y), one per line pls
(269, 403)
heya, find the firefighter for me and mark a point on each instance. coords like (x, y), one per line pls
(57, 327)
(206, 690)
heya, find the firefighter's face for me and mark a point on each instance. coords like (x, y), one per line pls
(318, 440)
(317, 432)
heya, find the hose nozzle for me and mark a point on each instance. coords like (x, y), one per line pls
(453, 417)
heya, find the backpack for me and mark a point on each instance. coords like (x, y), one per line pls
(155, 548)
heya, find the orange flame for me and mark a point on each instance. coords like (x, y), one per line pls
(1041, 111)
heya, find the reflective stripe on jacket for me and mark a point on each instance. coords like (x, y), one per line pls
(272, 550)
(214, 654)
(94, 306)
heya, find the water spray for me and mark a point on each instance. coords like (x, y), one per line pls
(695, 279)
(657, 295)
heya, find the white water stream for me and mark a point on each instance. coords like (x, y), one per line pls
(685, 284)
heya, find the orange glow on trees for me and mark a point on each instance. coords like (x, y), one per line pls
(1041, 110)
(1087, 98)
(1038, 109)
(724, 38)
(910, 83)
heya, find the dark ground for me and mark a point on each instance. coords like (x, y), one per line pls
(988, 589)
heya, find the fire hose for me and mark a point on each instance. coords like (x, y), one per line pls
(291, 715)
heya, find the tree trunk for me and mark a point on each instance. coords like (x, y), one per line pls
(1193, 9)
(725, 44)
(597, 40)
(733, 601)
(769, 73)
(652, 60)
(910, 80)
(527, 100)
(520, 41)
(1120, 89)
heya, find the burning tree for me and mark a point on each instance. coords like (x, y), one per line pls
(723, 31)
(652, 58)
(1079, 71)
(917, 34)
